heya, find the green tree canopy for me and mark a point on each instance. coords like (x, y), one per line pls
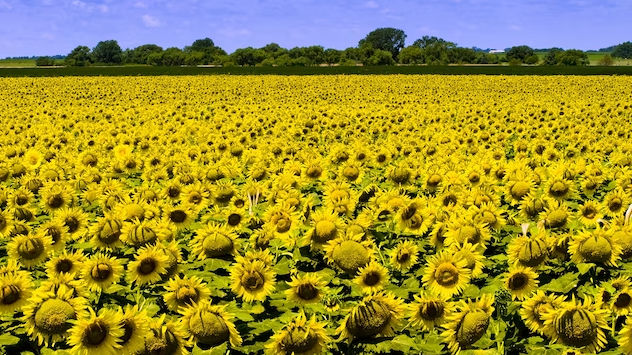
(386, 39)
(519, 53)
(108, 52)
(623, 50)
(78, 57)
(426, 41)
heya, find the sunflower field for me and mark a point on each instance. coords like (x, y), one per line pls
(316, 214)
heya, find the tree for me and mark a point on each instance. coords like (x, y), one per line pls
(426, 41)
(386, 39)
(532, 59)
(460, 55)
(380, 57)
(519, 53)
(332, 56)
(551, 57)
(411, 55)
(78, 57)
(44, 62)
(108, 52)
(623, 50)
(573, 57)
(606, 60)
(201, 45)
(140, 54)
(248, 56)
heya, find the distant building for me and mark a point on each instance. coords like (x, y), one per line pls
(496, 51)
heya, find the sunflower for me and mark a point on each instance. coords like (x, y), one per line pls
(339, 197)
(6, 223)
(48, 315)
(446, 275)
(283, 218)
(29, 250)
(180, 216)
(209, 325)
(375, 315)
(412, 218)
(468, 323)
(536, 307)
(560, 188)
(625, 337)
(165, 338)
(555, 215)
(517, 190)
(148, 266)
(182, 292)
(100, 271)
(428, 311)
(578, 325)
(349, 253)
(472, 255)
(74, 219)
(404, 255)
(139, 233)
(488, 214)
(65, 281)
(66, 263)
(57, 232)
(532, 205)
(300, 337)
(96, 334)
(597, 246)
(461, 230)
(135, 324)
(214, 241)
(55, 196)
(106, 232)
(372, 277)
(325, 226)
(252, 281)
(529, 250)
(521, 282)
(623, 237)
(306, 289)
(615, 203)
(589, 213)
(15, 290)
(32, 159)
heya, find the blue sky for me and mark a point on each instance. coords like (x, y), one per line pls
(48, 27)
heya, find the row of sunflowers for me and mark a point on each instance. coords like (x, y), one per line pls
(308, 215)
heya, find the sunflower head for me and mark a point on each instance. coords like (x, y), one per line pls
(376, 315)
(300, 336)
(209, 325)
(349, 253)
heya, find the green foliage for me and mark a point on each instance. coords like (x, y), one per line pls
(386, 39)
(606, 60)
(380, 57)
(520, 53)
(44, 62)
(78, 57)
(140, 54)
(623, 50)
(108, 52)
(248, 56)
(572, 57)
(411, 55)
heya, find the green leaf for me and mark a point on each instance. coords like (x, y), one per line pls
(562, 284)
(8, 339)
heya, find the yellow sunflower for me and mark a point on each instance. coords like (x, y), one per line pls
(404, 255)
(182, 292)
(597, 246)
(375, 315)
(468, 323)
(101, 271)
(536, 307)
(306, 289)
(135, 324)
(446, 275)
(428, 311)
(300, 337)
(372, 277)
(349, 252)
(29, 250)
(252, 281)
(96, 334)
(15, 290)
(148, 266)
(521, 282)
(209, 325)
(214, 241)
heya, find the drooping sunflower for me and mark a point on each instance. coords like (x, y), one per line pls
(445, 274)
(138, 233)
(252, 281)
(404, 255)
(375, 315)
(560, 188)
(622, 235)
(182, 292)
(597, 246)
(165, 337)
(461, 230)
(521, 282)
(29, 250)
(57, 232)
(209, 325)
(306, 289)
(372, 278)
(214, 241)
(472, 255)
(100, 271)
(96, 334)
(468, 323)
(148, 266)
(349, 252)
(15, 290)
(135, 324)
(529, 250)
(300, 337)
(412, 218)
(106, 232)
(326, 226)
(534, 309)
(578, 325)
(429, 311)
(6, 223)
(48, 315)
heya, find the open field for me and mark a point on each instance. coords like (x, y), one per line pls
(131, 70)
(308, 214)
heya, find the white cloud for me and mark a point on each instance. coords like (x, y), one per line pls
(140, 5)
(151, 21)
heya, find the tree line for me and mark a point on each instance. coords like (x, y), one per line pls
(383, 46)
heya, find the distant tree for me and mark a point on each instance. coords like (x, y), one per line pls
(606, 60)
(248, 56)
(411, 55)
(140, 54)
(436, 53)
(551, 57)
(173, 57)
(332, 56)
(623, 50)
(519, 53)
(487, 58)
(573, 57)
(108, 52)
(386, 39)
(201, 45)
(532, 59)
(426, 41)
(44, 61)
(78, 57)
(273, 50)
(380, 57)
(460, 55)
(194, 58)
(352, 54)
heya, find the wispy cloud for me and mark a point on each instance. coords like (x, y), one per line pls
(151, 21)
